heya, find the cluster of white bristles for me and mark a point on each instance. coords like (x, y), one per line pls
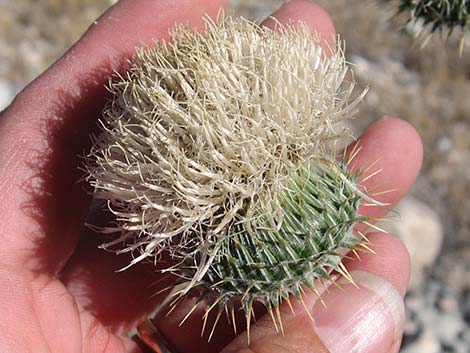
(205, 128)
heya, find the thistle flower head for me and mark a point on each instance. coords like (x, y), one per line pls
(218, 150)
(439, 15)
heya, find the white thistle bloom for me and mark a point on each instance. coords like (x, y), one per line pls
(209, 144)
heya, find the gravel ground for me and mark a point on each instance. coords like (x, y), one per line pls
(428, 87)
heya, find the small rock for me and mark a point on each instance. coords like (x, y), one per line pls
(420, 229)
(427, 342)
(444, 144)
(5, 94)
(434, 323)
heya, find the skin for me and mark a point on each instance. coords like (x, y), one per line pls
(59, 293)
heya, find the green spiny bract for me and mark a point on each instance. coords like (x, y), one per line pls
(218, 152)
(442, 15)
(268, 262)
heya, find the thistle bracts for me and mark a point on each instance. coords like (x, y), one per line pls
(439, 15)
(218, 151)
(268, 263)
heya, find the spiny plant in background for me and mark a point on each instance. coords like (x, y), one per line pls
(439, 15)
(218, 152)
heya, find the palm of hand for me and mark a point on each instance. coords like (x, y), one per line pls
(53, 267)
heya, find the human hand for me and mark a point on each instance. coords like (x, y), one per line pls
(59, 293)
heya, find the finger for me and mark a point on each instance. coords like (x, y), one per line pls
(320, 22)
(389, 158)
(109, 42)
(400, 151)
(391, 260)
(305, 12)
(366, 318)
(396, 347)
(48, 125)
(119, 300)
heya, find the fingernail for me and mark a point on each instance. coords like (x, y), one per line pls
(366, 318)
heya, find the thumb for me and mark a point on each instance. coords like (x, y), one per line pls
(367, 317)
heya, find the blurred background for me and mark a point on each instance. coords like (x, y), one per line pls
(429, 87)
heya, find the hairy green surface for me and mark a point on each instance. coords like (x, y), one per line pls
(320, 208)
